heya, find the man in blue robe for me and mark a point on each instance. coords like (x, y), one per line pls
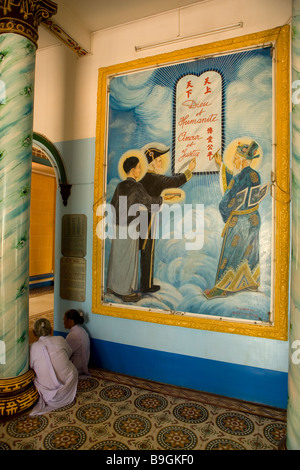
(238, 266)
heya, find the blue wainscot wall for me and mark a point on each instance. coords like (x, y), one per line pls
(231, 380)
(253, 384)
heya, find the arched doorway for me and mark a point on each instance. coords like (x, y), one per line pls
(48, 173)
(42, 143)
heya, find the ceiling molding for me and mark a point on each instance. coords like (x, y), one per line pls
(65, 38)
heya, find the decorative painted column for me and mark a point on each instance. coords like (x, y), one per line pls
(293, 410)
(19, 20)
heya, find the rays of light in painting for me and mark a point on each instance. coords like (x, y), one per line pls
(142, 111)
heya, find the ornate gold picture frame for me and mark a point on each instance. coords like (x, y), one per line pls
(237, 90)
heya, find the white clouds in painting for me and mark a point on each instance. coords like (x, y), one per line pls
(249, 106)
(184, 275)
(152, 105)
(129, 91)
(155, 114)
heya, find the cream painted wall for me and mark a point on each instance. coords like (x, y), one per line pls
(66, 86)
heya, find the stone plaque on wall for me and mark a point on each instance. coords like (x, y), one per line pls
(72, 278)
(73, 235)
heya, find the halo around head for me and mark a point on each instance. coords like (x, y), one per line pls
(165, 154)
(232, 148)
(133, 153)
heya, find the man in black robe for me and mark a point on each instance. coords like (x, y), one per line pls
(154, 183)
(122, 274)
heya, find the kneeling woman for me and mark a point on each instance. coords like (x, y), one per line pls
(78, 340)
(56, 377)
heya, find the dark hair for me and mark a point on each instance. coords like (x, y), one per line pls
(75, 316)
(129, 163)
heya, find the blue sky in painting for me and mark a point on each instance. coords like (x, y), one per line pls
(141, 111)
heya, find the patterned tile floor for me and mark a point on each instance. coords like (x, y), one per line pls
(116, 412)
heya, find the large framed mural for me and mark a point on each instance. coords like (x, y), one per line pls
(191, 204)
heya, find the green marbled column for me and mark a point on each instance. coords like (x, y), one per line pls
(17, 67)
(293, 411)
